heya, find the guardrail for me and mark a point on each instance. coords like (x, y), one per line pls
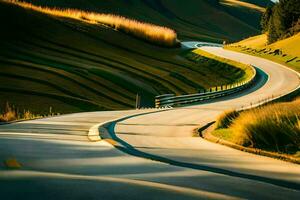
(167, 100)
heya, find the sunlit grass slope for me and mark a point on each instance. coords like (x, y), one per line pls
(286, 51)
(274, 127)
(257, 41)
(192, 19)
(149, 32)
(238, 3)
(71, 66)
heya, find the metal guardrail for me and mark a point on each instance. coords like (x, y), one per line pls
(167, 100)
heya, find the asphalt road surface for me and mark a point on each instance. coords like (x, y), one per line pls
(146, 154)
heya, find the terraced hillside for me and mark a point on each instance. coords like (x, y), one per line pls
(72, 66)
(209, 20)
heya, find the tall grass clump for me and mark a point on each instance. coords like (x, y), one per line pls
(10, 113)
(274, 127)
(226, 119)
(149, 32)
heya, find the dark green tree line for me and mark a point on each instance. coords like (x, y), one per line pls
(281, 20)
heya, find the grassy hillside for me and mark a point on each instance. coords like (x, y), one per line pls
(286, 51)
(151, 33)
(241, 72)
(263, 129)
(72, 66)
(193, 19)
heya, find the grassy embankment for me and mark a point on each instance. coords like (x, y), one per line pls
(286, 51)
(73, 66)
(241, 72)
(274, 127)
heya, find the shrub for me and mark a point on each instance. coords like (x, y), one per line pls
(9, 114)
(273, 127)
(152, 33)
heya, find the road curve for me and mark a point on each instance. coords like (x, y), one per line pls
(146, 154)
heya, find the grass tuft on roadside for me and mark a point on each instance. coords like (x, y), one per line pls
(10, 113)
(12, 163)
(226, 119)
(274, 127)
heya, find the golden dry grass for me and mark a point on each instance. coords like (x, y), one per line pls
(10, 113)
(288, 45)
(147, 31)
(243, 4)
(274, 127)
(286, 51)
(258, 41)
(12, 163)
(226, 119)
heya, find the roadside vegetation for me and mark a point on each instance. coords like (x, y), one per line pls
(10, 113)
(155, 34)
(274, 127)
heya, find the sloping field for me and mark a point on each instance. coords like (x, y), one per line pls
(73, 66)
(257, 41)
(286, 51)
(192, 19)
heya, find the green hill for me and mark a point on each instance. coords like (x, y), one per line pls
(193, 19)
(72, 66)
(285, 51)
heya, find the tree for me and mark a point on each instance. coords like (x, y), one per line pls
(279, 20)
(264, 22)
(272, 33)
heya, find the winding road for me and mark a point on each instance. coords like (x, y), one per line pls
(147, 154)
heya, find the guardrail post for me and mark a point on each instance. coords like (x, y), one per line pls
(157, 104)
(138, 101)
